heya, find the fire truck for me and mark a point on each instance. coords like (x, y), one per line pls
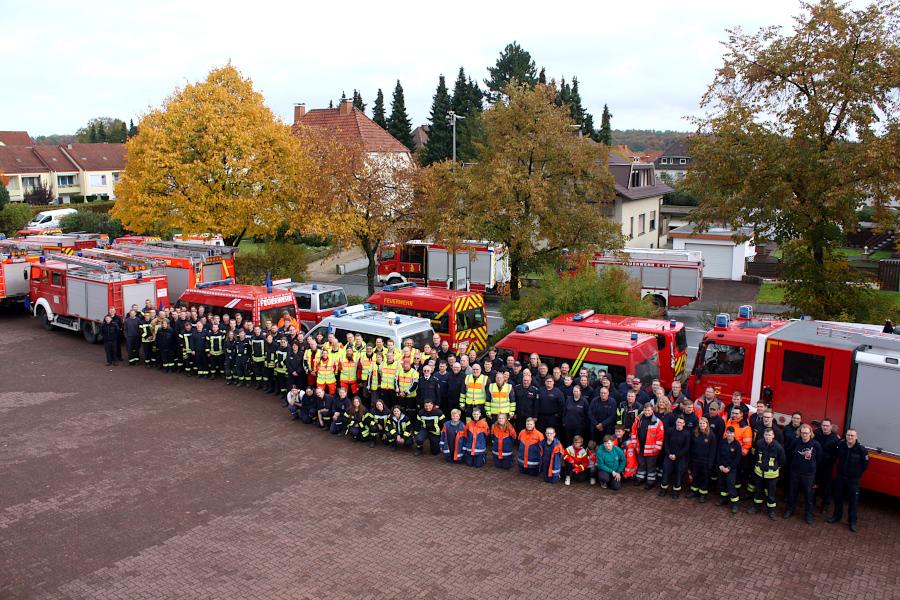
(847, 372)
(315, 301)
(616, 352)
(187, 264)
(671, 338)
(76, 292)
(458, 317)
(486, 265)
(16, 259)
(253, 302)
(671, 278)
(70, 241)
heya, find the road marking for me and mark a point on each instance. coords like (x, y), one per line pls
(696, 329)
(693, 347)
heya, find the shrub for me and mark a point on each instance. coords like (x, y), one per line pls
(76, 199)
(281, 259)
(40, 195)
(14, 217)
(88, 220)
(4, 194)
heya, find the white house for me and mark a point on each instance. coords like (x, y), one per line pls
(638, 202)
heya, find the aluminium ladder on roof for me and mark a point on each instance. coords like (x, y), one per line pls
(858, 334)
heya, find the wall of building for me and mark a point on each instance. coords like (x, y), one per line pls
(626, 210)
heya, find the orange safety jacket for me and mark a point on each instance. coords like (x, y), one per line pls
(325, 370)
(742, 433)
(348, 368)
(655, 433)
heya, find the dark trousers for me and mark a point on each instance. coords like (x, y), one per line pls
(728, 486)
(258, 368)
(849, 489)
(434, 441)
(568, 471)
(110, 348)
(149, 349)
(281, 382)
(167, 358)
(825, 483)
(607, 478)
(646, 468)
(764, 489)
(800, 482)
(133, 346)
(700, 478)
(201, 363)
(215, 363)
(673, 473)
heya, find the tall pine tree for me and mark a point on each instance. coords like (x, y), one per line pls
(440, 131)
(579, 114)
(467, 102)
(398, 124)
(604, 134)
(514, 63)
(132, 130)
(378, 110)
(358, 101)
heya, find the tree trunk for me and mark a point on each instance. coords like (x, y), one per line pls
(513, 278)
(370, 268)
(235, 240)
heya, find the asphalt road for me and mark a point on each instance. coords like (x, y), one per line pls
(127, 483)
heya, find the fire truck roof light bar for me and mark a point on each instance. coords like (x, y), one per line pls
(583, 315)
(398, 286)
(532, 325)
(722, 321)
(209, 284)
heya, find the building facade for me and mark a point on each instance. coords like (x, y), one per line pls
(638, 202)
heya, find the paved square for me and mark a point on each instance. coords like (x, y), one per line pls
(128, 483)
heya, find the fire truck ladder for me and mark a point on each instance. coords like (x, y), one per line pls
(124, 259)
(202, 249)
(860, 335)
(87, 263)
(151, 250)
(15, 248)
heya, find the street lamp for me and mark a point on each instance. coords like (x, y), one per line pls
(452, 117)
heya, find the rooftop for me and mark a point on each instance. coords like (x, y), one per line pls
(15, 138)
(97, 157)
(351, 126)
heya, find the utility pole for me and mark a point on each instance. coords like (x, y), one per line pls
(453, 117)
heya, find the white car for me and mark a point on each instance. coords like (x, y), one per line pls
(49, 219)
(372, 324)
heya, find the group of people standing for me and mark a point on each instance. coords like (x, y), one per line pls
(548, 422)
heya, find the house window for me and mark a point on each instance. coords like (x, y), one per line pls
(682, 161)
(635, 179)
(664, 161)
(116, 177)
(98, 180)
(31, 182)
(65, 180)
(652, 220)
(642, 219)
(13, 183)
(631, 229)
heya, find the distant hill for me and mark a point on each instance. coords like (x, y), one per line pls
(646, 140)
(54, 139)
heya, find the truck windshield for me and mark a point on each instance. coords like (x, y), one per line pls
(275, 313)
(647, 370)
(332, 299)
(421, 338)
(681, 339)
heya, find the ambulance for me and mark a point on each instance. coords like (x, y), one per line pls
(458, 317)
(371, 324)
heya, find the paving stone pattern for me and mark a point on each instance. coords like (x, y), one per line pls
(127, 483)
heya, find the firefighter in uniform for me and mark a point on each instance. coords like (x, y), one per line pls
(187, 360)
(851, 461)
(258, 356)
(148, 342)
(349, 367)
(407, 386)
(280, 368)
(271, 346)
(430, 421)
(325, 372)
(387, 385)
(728, 461)
(366, 364)
(770, 458)
(311, 362)
(242, 358)
(500, 399)
(215, 348)
(166, 345)
(474, 392)
(230, 358)
(132, 329)
(198, 350)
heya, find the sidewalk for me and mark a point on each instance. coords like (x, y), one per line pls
(325, 269)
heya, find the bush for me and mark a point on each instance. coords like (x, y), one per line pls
(94, 222)
(76, 199)
(281, 259)
(39, 196)
(4, 194)
(611, 292)
(14, 217)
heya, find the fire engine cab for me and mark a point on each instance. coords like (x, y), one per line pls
(671, 278)
(315, 301)
(253, 302)
(16, 259)
(74, 292)
(847, 372)
(458, 317)
(486, 265)
(616, 352)
(671, 338)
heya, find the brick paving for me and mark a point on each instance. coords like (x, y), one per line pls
(127, 483)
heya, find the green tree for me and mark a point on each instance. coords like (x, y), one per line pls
(358, 101)
(467, 102)
(800, 130)
(399, 124)
(40, 195)
(513, 64)
(88, 220)
(132, 130)
(4, 194)
(123, 133)
(440, 133)
(604, 134)
(378, 114)
(542, 76)
(278, 258)
(14, 217)
(101, 129)
(93, 136)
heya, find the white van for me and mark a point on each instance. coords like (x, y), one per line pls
(48, 219)
(371, 324)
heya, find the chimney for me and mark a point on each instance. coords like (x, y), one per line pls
(345, 107)
(299, 111)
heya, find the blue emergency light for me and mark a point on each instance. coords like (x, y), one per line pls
(634, 336)
(672, 323)
(722, 321)
(339, 312)
(207, 284)
(43, 258)
(582, 315)
(745, 312)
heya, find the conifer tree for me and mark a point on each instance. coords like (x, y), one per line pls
(378, 110)
(398, 124)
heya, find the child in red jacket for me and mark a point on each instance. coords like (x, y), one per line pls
(576, 461)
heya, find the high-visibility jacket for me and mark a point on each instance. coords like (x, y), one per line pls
(360, 420)
(769, 459)
(215, 343)
(529, 453)
(281, 361)
(389, 375)
(474, 394)
(431, 421)
(451, 440)
(348, 368)
(185, 339)
(311, 360)
(284, 325)
(503, 443)
(655, 436)
(577, 458)
(374, 377)
(398, 426)
(743, 433)
(334, 352)
(631, 461)
(551, 460)
(257, 349)
(148, 332)
(325, 370)
(366, 364)
(407, 382)
(500, 400)
(382, 352)
(475, 437)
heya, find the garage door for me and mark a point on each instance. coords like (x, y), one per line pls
(716, 260)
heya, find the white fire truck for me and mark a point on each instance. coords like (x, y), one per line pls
(671, 278)
(75, 292)
(16, 259)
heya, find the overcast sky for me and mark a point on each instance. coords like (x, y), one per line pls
(66, 62)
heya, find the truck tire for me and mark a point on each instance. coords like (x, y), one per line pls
(660, 303)
(44, 318)
(90, 331)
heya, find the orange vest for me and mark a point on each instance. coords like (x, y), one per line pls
(742, 433)
(348, 369)
(325, 370)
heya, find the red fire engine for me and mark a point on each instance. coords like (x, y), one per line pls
(671, 278)
(186, 264)
(457, 316)
(69, 241)
(15, 267)
(671, 338)
(74, 292)
(847, 372)
(253, 302)
(616, 352)
(486, 265)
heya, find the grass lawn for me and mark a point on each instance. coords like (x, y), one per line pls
(773, 293)
(852, 252)
(313, 253)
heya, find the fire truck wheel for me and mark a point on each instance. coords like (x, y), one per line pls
(90, 332)
(45, 320)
